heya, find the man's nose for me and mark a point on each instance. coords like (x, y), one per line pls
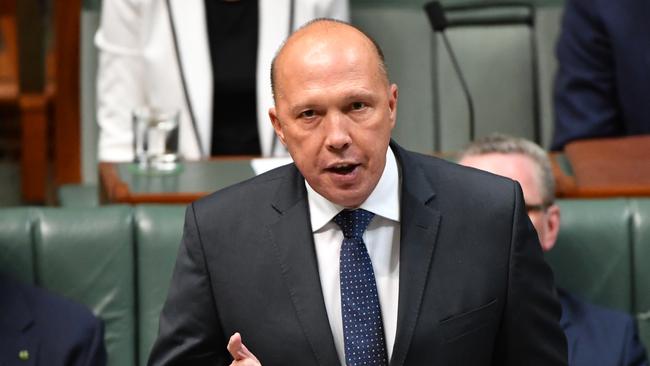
(337, 131)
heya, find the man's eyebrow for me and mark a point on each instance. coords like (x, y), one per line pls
(298, 108)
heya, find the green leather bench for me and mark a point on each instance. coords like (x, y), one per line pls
(118, 260)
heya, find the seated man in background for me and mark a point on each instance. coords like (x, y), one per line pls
(39, 328)
(595, 335)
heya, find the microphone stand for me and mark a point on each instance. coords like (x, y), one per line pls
(438, 21)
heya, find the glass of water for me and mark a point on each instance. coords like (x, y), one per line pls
(155, 139)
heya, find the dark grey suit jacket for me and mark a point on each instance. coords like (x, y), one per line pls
(474, 288)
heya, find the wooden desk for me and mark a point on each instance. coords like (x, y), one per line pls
(588, 169)
(611, 167)
(123, 183)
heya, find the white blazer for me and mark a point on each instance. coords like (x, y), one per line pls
(156, 53)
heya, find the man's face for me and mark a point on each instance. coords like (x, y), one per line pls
(334, 112)
(523, 169)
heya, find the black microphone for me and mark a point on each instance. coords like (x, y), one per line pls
(436, 15)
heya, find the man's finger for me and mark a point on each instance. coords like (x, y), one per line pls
(238, 350)
(235, 347)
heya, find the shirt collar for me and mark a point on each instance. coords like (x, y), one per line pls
(383, 201)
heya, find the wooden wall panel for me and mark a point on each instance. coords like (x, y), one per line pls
(67, 126)
(32, 102)
(33, 121)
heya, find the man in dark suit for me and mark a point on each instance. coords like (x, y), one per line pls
(447, 272)
(603, 82)
(38, 328)
(595, 335)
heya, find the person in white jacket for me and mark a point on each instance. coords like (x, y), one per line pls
(157, 53)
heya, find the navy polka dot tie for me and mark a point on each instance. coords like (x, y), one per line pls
(362, 326)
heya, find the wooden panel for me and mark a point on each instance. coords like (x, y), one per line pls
(8, 60)
(67, 127)
(7, 7)
(33, 121)
(608, 167)
(32, 101)
(611, 166)
(31, 45)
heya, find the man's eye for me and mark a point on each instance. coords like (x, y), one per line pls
(308, 113)
(358, 105)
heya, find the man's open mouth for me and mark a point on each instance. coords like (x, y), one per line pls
(342, 168)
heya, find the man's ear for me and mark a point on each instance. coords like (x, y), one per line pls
(552, 223)
(277, 125)
(392, 103)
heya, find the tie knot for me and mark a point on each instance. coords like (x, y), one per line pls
(353, 222)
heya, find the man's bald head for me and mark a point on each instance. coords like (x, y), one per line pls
(324, 30)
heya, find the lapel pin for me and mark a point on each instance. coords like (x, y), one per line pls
(23, 355)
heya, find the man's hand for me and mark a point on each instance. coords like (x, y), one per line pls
(240, 354)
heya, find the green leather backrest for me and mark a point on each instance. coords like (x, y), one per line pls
(158, 234)
(603, 253)
(641, 264)
(87, 254)
(594, 250)
(494, 48)
(16, 252)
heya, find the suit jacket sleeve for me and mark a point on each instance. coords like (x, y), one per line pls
(530, 330)
(94, 352)
(633, 352)
(189, 331)
(585, 88)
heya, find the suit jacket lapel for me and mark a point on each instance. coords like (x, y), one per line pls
(294, 244)
(189, 25)
(419, 227)
(16, 328)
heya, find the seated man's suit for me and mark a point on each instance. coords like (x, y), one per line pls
(603, 82)
(599, 336)
(39, 328)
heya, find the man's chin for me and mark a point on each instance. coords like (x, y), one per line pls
(347, 198)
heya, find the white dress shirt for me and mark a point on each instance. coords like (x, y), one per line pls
(382, 238)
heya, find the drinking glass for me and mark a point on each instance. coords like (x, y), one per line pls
(155, 139)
